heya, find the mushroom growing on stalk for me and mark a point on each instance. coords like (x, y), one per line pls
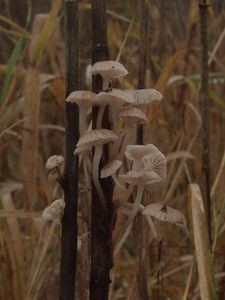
(108, 71)
(53, 166)
(147, 157)
(140, 179)
(116, 98)
(96, 138)
(110, 170)
(131, 117)
(144, 97)
(54, 210)
(85, 100)
(164, 213)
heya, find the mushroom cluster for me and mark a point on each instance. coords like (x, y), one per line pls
(133, 168)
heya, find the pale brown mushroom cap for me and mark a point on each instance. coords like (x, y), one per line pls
(95, 136)
(146, 96)
(115, 97)
(54, 210)
(136, 152)
(164, 213)
(140, 177)
(133, 115)
(109, 69)
(110, 168)
(54, 161)
(82, 98)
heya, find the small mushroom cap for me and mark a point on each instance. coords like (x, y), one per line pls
(164, 213)
(96, 136)
(140, 177)
(133, 115)
(115, 97)
(146, 96)
(109, 69)
(54, 161)
(110, 168)
(82, 98)
(136, 152)
(54, 211)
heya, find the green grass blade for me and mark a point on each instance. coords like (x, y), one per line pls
(12, 63)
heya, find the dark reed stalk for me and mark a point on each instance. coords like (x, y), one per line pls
(70, 184)
(101, 225)
(141, 276)
(203, 11)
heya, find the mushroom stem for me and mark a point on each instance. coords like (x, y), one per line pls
(119, 142)
(95, 172)
(127, 139)
(82, 120)
(100, 116)
(105, 84)
(130, 220)
(118, 183)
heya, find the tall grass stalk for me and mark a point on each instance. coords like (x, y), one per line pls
(101, 227)
(204, 109)
(69, 222)
(141, 277)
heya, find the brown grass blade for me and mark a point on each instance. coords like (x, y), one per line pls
(163, 79)
(202, 246)
(16, 245)
(30, 136)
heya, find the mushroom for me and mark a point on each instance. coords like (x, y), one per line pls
(149, 158)
(140, 179)
(96, 138)
(54, 211)
(145, 97)
(53, 166)
(87, 167)
(110, 170)
(85, 100)
(115, 97)
(164, 213)
(131, 116)
(108, 71)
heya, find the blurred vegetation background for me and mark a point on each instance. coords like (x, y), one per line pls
(32, 129)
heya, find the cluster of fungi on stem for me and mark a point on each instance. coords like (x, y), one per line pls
(147, 164)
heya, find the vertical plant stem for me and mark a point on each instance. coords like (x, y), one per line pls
(141, 276)
(204, 109)
(69, 222)
(101, 228)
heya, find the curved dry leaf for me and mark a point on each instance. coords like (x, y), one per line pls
(179, 154)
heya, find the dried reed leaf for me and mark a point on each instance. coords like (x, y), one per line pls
(202, 246)
(179, 154)
(30, 136)
(218, 43)
(9, 187)
(42, 38)
(17, 250)
(12, 24)
(6, 213)
(163, 79)
(187, 288)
